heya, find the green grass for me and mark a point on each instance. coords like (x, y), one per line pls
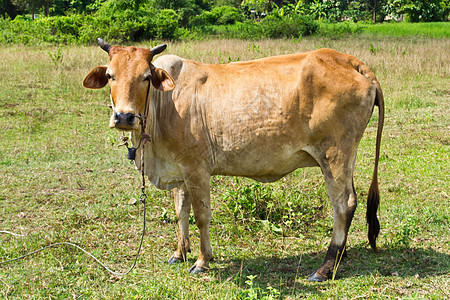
(402, 29)
(62, 178)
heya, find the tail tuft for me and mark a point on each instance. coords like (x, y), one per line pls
(373, 200)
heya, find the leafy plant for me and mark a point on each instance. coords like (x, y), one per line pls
(401, 236)
(293, 26)
(419, 10)
(318, 10)
(222, 15)
(257, 202)
(373, 49)
(249, 202)
(252, 292)
(56, 56)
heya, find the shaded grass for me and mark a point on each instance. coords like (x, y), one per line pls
(62, 178)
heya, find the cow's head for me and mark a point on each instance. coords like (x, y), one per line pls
(129, 72)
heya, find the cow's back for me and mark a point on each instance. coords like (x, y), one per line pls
(263, 118)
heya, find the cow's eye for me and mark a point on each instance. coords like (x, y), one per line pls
(108, 76)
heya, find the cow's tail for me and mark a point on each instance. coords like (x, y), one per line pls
(373, 198)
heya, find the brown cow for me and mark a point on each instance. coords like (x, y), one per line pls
(260, 119)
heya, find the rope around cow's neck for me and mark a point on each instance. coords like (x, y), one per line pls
(144, 138)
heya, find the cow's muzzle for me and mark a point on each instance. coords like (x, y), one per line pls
(124, 121)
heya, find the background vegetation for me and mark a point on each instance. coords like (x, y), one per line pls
(82, 21)
(63, 178)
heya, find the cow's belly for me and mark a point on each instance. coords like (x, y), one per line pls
(264, 166)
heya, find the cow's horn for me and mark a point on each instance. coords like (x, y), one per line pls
(158, 49)
(104, 45)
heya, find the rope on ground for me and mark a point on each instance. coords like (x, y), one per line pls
(11, 233)
(79, 248)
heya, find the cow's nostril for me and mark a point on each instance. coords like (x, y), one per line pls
(130, 119)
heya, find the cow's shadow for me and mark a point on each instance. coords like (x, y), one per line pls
(289, 274)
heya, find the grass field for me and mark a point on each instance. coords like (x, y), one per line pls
(63, 178)
(389, 30)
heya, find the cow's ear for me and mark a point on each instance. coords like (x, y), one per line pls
(162, 81)
(96, 79)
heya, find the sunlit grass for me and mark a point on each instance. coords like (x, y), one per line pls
(388, 30)
(403, 29)
(62, 178)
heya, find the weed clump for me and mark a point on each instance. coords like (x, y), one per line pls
(281, 211)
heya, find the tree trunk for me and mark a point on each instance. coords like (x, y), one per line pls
(47, 8)
(8, 9)
(374, 15)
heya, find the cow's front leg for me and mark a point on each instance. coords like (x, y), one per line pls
(197, 185)
(182, 209)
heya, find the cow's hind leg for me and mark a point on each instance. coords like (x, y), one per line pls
(182, 209)
(338, 174)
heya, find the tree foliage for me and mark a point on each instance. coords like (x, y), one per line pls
(82, 21)
(420, 10)
(335, 10)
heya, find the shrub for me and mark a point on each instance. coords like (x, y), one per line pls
(273, 26)
(185, 15)
(114, 29)
(60, 29)
(249, 202)
(226, 15)
(121, 20)
(116, 21)
(295, 26)
(13, 31)
(419, 10)
(223, 15)
(166, 24)
(277, 211)
(205, 18)
(54, 30)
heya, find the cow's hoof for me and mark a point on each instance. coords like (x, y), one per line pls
(196, 270)
(174, 260)
(317, 278)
